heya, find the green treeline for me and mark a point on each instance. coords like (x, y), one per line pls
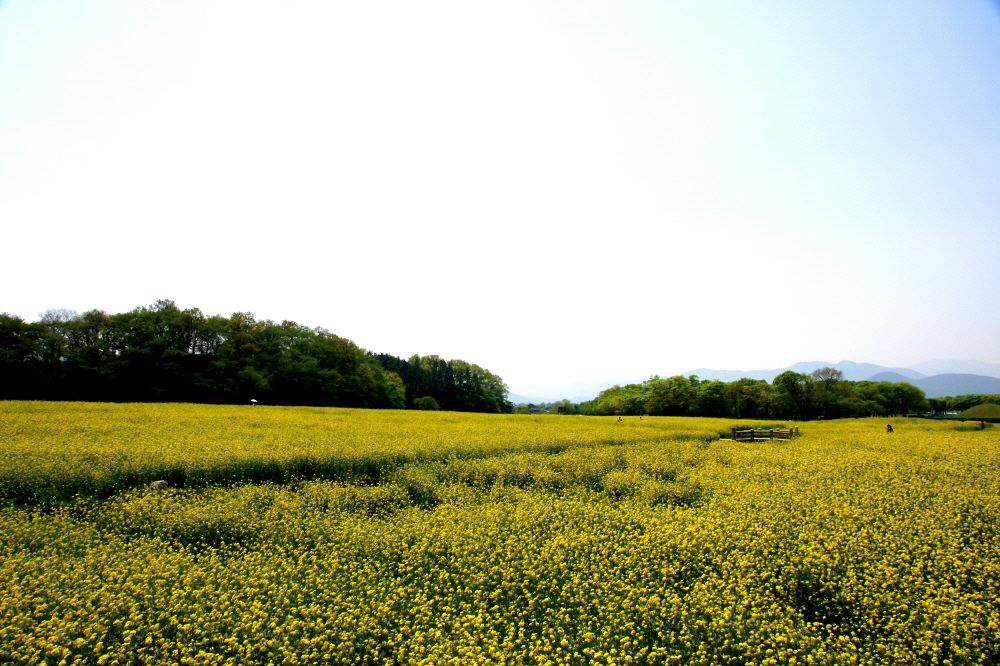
(792, 395)
(452, 385)
(164, 354)
(964, 402)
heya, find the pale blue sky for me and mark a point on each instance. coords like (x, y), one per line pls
(557, 191)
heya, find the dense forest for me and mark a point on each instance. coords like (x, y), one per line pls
(822, 394)
(161, 353)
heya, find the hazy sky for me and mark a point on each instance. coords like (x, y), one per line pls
(556, 191)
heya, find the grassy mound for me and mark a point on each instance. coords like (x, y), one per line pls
(986, 410)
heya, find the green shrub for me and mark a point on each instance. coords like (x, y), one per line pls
(426, 403)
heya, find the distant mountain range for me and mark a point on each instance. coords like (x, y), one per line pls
(947, 384)
(936, 379)
(854, 371)
(951, 378)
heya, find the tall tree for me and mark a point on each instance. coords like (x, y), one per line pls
(790, 394)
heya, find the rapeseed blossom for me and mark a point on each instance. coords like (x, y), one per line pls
(301, 536)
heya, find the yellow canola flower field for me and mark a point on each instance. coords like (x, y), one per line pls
(416, 538)
(54, 451)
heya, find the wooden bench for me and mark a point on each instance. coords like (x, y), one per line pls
(763, 435)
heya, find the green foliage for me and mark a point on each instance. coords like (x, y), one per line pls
(455, 385)
(395, 390)
(963, 402)
(793, 395)
(629, 400)
(426, 402)
(163, 354)
(675, 396)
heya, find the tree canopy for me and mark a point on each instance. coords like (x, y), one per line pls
(162, 353)
(454, 385)
(822, 394)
